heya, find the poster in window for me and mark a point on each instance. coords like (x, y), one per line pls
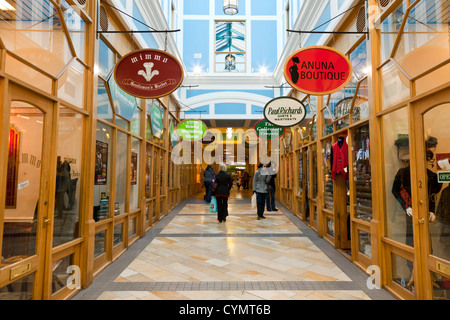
(101, 163)
(134, 168)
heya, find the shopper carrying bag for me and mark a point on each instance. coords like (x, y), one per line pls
(213, 205)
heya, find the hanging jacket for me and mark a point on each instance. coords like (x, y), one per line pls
(340, 159)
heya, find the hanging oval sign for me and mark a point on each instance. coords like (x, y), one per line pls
(268, 131)
(317, 70)
(284, 111)
(191, 130)
(148, 73)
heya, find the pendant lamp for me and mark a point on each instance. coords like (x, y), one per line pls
(230, 6)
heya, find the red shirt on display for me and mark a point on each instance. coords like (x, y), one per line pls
(340, 159)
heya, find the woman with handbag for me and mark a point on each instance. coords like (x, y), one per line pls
(224, 184)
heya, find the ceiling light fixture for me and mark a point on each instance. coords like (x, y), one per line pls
(230, 6)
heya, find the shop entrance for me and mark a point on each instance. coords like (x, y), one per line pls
(432, 117)
(27, 214)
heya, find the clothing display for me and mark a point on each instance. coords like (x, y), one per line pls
(401, 189)
(339, 158)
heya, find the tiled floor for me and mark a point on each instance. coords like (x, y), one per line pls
(189, 255)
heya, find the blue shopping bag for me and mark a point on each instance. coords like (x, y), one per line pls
(213, 205)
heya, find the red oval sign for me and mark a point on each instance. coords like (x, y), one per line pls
(317, 70)
(148, 73)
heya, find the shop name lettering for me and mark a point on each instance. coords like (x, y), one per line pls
(148, 73)
(284, 110)
(329, 72)
(32, 160)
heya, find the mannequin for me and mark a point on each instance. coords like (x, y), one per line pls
(401, 189)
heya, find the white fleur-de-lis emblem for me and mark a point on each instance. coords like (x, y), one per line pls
(148, 74)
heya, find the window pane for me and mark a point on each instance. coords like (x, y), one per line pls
(77, 28)
(60, 275)
(365, 246)
(328, 182)
(103, 162)
(68, 177)
(72, 84)
(402, 272)
(394, 90)
(100, 243)
(34, 31)
(135, 174)
(362, 174)
(436, 139)
(424, 37)
(21, 289)
(397, 176)
(389, 29)
(23, 182)
(104, 110)
(118, 237)
(105, 59)
(121, 170)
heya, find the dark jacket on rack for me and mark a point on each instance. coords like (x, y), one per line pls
(443, 209)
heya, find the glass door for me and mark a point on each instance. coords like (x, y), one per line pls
(433, 171)
(26, 214)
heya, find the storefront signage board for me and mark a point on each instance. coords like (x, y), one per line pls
(284, 111)
(191, 130)
(443, 176)
(317, 70)
(148, 73)
(268, 131)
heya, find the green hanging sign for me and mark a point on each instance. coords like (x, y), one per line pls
(156, 121)
(268, 131)
(191, 130)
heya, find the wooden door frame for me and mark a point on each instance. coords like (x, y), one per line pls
(423, 259)
(38, 263)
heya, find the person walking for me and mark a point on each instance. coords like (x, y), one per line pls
(245, 179)
(270, 199)
(207, 181)
(224, 184)
(260, 180)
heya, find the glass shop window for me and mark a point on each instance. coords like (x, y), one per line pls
(105, 59)
(121, 173)
(361, 173)
(134, 184)
(389, 30)
(77, 28)
(102, 178)
(327, 182)
(68, 177)
(397, 176)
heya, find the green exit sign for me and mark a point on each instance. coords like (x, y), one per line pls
(443, 176)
